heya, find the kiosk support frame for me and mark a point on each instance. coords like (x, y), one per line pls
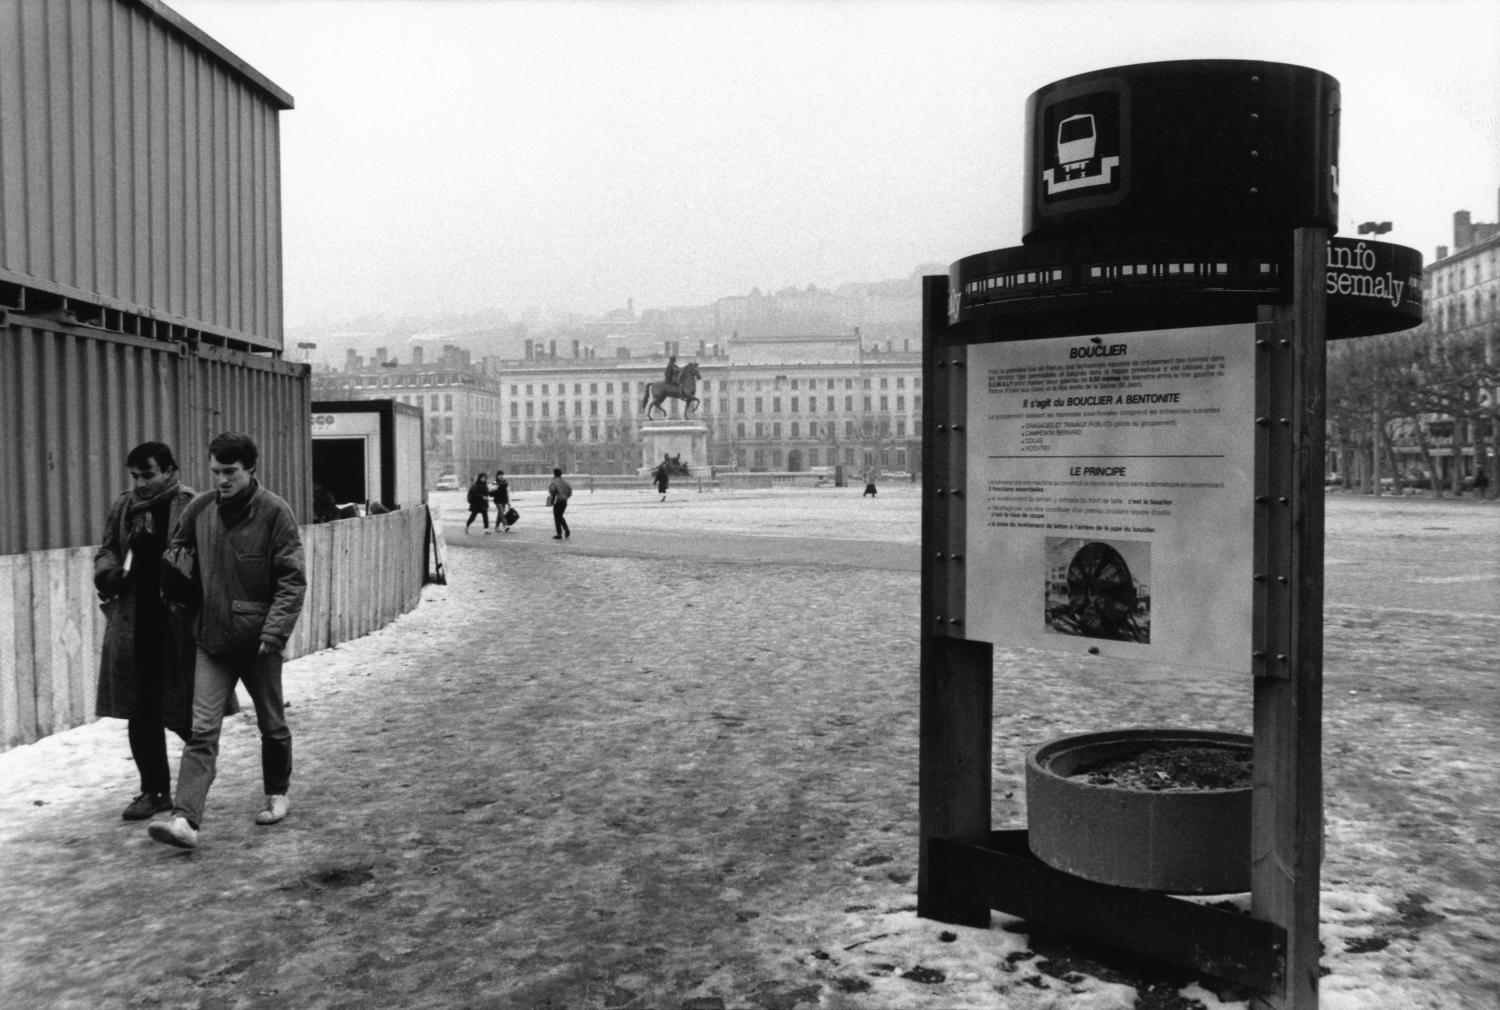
(965, 868)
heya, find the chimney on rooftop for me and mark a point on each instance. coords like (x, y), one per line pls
(416, 354)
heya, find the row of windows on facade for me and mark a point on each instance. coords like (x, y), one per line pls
(739, 385)
(741, 430)
(444, 401)
(1457, 315)
(725, 385)
(793, 404)
(773, 458)
(1449, 281)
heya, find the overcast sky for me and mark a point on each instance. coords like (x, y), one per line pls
(459, 155)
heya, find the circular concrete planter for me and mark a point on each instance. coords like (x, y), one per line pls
(1190, 841)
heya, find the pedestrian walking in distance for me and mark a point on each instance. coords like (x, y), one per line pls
(479, 503)
(558, 493)
(243, 542)
(146, 665)
(501, 495)
(663, 478)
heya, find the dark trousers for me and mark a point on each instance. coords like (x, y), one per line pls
(559, 523)
(479, 512)
(148, 746)
(214, 678)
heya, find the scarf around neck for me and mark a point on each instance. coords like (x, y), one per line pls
(140, 512)
(232, 510)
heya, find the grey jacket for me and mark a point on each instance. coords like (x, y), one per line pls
(254, 579)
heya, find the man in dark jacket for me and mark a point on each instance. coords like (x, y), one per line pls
(146, 666)
(249, 562)
(479, 502)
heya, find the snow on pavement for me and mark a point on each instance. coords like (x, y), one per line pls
(570, 779)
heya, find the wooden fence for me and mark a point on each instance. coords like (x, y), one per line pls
(361, 575)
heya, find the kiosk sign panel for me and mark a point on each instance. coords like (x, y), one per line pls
(1111, 494)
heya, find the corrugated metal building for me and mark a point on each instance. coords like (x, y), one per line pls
(140, 261)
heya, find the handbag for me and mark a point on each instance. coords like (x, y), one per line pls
(511, 515)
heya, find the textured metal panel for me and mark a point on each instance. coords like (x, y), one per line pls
(75, 399)
(139, 167)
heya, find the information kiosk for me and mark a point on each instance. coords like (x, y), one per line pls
(1123, 427)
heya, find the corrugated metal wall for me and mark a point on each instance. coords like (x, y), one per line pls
(75, 399)
(139, 167)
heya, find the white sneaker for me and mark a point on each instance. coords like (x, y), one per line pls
(275, 810)
(176, 831)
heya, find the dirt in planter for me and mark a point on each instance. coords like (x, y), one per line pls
(1202, 766)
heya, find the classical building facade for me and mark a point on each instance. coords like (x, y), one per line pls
(793, 403)
(785, 403)
(460, 403)
(1461, 297)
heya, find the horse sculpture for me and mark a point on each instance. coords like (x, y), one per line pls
(684, 389)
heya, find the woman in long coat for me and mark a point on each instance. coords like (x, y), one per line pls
(146, 667)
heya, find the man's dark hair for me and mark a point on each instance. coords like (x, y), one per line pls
(499, 473)
(232, 447)
(148, 451)
(556, 472)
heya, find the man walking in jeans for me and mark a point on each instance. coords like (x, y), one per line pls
(249, 561)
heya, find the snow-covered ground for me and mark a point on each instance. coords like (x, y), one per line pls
(605, 773)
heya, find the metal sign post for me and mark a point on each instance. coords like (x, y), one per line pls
(1137, 388)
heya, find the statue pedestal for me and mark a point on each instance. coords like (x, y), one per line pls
(689, 439)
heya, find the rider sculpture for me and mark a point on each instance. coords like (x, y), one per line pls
(680, 383)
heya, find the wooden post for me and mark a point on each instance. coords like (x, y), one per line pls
(956, 687)
(1287, 806)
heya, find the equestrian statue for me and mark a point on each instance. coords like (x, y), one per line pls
(678, 384)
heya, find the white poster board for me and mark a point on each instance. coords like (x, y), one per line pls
(1110, 495)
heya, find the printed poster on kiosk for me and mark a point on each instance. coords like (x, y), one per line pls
(1111, 487)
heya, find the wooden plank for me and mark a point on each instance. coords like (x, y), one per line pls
(362, 577)
(315, 608)
(92, 624)
(41, 644)
(338, 627)
(1225, 944)
(1287, 796)
(72, 608)
(956, 689)
(17, 689)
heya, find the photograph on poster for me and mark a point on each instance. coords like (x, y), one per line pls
(1114, 474)
(1099, 589)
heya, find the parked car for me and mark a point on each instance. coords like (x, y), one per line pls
(447, 482)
